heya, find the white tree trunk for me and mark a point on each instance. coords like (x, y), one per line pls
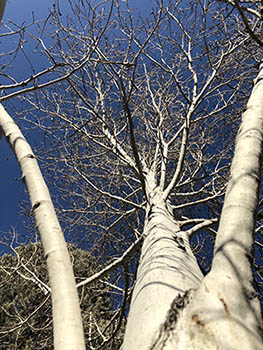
(222, 312)
(167, 269)
(226, 307)
(67, 323)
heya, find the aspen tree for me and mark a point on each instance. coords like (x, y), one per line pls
(67, 323)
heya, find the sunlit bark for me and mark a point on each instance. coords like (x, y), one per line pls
(223, 312)
(67, 323)
(227, 302)
(167, 269)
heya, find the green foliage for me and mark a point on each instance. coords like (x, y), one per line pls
(26, 312)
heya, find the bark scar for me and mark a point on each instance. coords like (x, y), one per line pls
(225, 306)
(196, 319)
(177, 306)
(180, 242)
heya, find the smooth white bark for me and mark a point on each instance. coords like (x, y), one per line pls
(167, 269)
(226, 304)
(67, 323)
(222, 312)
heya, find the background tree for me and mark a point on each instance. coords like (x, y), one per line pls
(138, 136)
(26, 311)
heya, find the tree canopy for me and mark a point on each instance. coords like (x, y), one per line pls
(137, 117)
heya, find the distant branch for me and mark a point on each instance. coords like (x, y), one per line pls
(245, 21)
(120, 261)
(132, 140)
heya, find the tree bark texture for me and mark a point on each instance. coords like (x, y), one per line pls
(167, 270)
(172, 306)
(67, 323)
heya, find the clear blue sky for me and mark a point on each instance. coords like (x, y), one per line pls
(12, 191)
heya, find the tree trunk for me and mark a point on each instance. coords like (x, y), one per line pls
(226, 307)
(171, 309)
(167, 270)
(67, 323)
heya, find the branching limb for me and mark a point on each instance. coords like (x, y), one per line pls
(118, 262)
(246, 24)
(200, 226)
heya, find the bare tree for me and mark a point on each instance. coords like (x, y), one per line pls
(138, 135)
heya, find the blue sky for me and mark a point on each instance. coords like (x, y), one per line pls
(12, 191)
(18, 10)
